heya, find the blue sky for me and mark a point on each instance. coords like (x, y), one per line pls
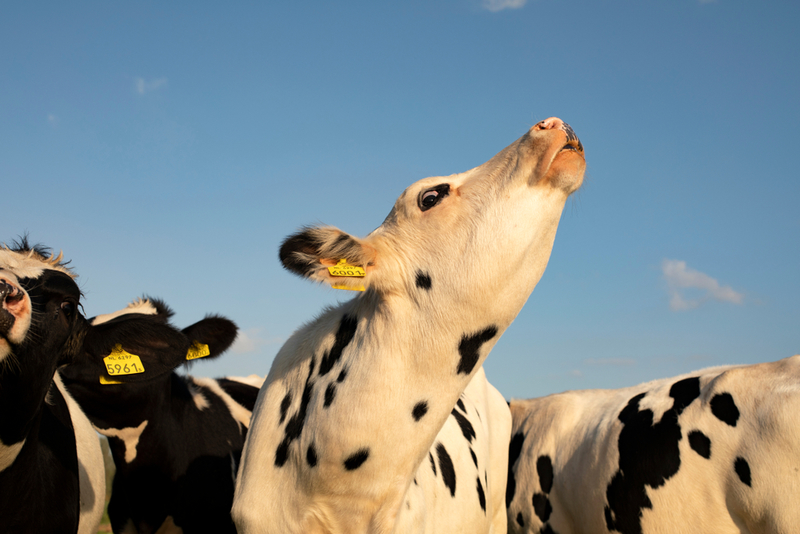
(167, 148)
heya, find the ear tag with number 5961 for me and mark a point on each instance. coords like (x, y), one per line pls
(120, 362)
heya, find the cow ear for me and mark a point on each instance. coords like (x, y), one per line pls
(210, 337)
(326, 254)
(137, 348)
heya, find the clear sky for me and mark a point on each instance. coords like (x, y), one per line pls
(168, 147)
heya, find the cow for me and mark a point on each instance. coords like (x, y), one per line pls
(51, 466)
(176, 440)
(376, 416)
(717, 450)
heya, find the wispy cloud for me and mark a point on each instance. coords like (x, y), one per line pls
(681, 279)
(52, 120)
(251, 341)
(610, 361)
(145, 86)
(498, 5)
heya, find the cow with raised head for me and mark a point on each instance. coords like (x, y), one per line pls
(176, 440)
(376, 416)
(51, 466)
(714, 451)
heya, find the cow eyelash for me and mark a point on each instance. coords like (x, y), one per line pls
(430, 197)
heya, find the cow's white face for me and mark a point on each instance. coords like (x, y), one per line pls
(481, 238)
(36, 293)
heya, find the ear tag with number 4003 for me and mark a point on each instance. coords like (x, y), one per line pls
(120, 362)
(197, 350)
(346, 270)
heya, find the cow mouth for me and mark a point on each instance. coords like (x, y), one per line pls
(573, 143)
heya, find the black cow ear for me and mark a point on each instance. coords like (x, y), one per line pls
(210, 337)
(137, 349)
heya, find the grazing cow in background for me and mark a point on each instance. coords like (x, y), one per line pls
(51, 467)
(176, 440)
(714, 451)
(358, 427)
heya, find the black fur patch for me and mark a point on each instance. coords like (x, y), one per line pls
(742, 469)
(355, 460)
(244, 394)
(474, 458)
(542, 507)
(285, 403)
(294, 427)
(330, 393)
(724, 409)
(520, 520)
(648, 456)
(481, 496)
(470, 346)
(433, 463)
(446, 466)
(311, 456)
(419, 411)
(700, 443)
(466, 426)
(342, 376)
(460, 404)
(514, 450)
(344, 335)
(424, 281)
(544, 468)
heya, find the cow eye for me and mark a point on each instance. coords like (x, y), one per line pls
(68, 308)
(430, 197)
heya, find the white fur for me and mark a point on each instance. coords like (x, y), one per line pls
(137, 306)
(579, 430)
(91, 469)
(129, 436)
(484, 246)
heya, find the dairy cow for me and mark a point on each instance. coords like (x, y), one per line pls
(376, 416)
(714, 451)
(51, 467)
(176, 440)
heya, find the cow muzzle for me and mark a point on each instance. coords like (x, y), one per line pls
(15, 311)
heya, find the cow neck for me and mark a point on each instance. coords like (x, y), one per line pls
(23, 387)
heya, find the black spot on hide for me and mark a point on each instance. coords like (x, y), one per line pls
(419, 411)
(311, 455)
(544, 468)
(514, 450)
(355, 460)
(470, 346)
(285, 403)
(433, 463)
(520, 520)
(424, 280)
(294, 427)
(330, 393)
(541, 506)
(344, 335)
(460, 404)
(481, 496)
(724, 409)
(466, 426)
(700, 443)
(648, 456)
(446, 466)
(342, 376)
(474, 458)
(743, 470)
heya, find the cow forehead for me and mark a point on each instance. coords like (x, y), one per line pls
(30, 264)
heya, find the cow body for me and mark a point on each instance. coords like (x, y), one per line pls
(176, 440)
(715, 451)
(358, 401)
(51, 466)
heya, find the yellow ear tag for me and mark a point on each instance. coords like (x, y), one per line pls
(105, 381)
(341, 286)
(120, 362)
(197, 350)
(345, 269)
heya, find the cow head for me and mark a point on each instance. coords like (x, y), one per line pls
(480, 239)
(138, 344)
(40, 324)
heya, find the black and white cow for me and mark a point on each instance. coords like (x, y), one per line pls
(358, 427)
(714, 451)
(51, 467)
(176, 440)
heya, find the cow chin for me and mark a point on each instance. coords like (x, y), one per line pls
(566, 171)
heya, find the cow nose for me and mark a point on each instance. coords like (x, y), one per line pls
(7, 291)
(554, 123)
